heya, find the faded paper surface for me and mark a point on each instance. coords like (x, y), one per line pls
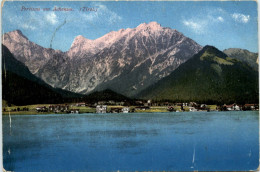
(130, 85)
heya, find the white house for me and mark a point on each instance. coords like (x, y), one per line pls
(101, 109)
(125, 110)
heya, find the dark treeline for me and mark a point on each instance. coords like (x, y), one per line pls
(208, 102)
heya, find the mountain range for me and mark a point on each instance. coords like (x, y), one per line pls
(243, 55)
(149, 61)
(128, 60)
(208, 77)
(21, 87)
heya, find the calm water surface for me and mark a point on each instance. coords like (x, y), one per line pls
(128, 142)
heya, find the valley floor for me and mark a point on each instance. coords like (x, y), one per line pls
(32, 109)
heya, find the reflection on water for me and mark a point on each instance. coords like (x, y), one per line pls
(129, 142)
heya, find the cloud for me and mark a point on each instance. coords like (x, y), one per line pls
(51, 18)
(240, 18)
(196, 26)
(25, 23)
(220, 10)
(27, 26)
(91, 17)
(102, 14)
(220, 19)
(212, 18)
(203, 22)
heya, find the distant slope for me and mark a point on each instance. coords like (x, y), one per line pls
(243, 55)
(21, 91)
(27, 52)
(9, 63)
(210, 77)
(105, 95)
(20, 86)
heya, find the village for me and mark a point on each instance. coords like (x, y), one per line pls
(138, 106)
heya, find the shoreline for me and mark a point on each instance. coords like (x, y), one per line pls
(45, 109)
(60, 113)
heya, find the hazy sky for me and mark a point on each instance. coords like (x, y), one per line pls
(221, 24)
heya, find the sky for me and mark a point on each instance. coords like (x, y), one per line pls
(223, 24)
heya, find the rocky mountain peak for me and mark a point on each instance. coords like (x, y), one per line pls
(154, 26)
(15, 35)
(149, 51)
(79, 40)
(82, 46)
(17, 32)
(27, 52)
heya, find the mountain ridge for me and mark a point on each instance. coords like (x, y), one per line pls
(17, 69)
(243, 55)
(148, 50)
(210, 76)
(31, 54)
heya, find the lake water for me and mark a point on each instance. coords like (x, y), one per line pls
(185, 141)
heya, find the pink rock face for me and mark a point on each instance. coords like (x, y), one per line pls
(82, 46)
(31, 54)
(134, 57)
